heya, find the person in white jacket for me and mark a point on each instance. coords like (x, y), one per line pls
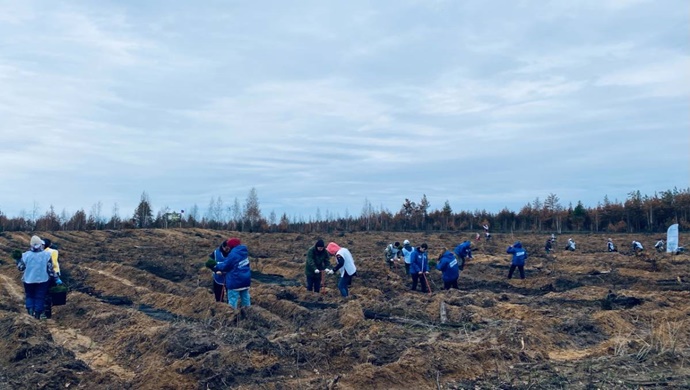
(571, 245)
(407, 251)
(610, 246)
(637, 247)
(659, 246)
(346, 266)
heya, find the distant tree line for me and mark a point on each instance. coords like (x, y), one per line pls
(637, 213)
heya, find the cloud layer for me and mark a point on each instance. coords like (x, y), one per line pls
(321, 105)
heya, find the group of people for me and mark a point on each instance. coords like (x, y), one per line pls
(230, 266)
(229, 263)
(231, 272)
(41, 271)
(318, 265)
(636, 246)
(416, 261)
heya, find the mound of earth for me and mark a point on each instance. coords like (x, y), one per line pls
(140, 314)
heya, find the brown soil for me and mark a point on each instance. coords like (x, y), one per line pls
(141, 315)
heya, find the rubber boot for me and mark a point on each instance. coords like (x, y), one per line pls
(37, 315)
(30, 311)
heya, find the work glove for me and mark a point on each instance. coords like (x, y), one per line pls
(58, 281)
(329, 271)
(210, 263)
(316, 271)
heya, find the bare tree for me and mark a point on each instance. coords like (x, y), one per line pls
(252, 211)
(115, 220)
(272, 220)
(367, 213)
(423, 208)
(95, 220)
(236, 215)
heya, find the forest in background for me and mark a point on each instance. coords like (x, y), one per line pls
(636, 214)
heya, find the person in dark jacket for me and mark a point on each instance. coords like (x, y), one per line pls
(238, 274)
(419, 267)
(219, 255)
(548, 246)
(519, 256)
(317, 263)
(38, 270)
(449, 265)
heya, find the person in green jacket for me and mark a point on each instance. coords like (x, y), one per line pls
(317, 262)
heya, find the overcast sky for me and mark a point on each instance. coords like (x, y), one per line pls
(321, 104)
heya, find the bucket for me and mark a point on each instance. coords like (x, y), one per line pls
(58, 295)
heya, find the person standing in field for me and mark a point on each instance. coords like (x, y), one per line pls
(519, 256)
(219, 255)
(486, 232)
(449, 265)
(407, 252)
(37, 266)
(419, 267)
(48, 310)
(317, 263)
(238, 274)
(346, 266)
(548, 246)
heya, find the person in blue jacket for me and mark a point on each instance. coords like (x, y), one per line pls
(419, 267)
(463, 251)
(449, 265)
(219, 255)
(238, 274)
(519, 256)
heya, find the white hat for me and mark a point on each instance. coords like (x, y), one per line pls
(406, 242)
(36, 242)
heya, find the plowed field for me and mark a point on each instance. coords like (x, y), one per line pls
(140, 314)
